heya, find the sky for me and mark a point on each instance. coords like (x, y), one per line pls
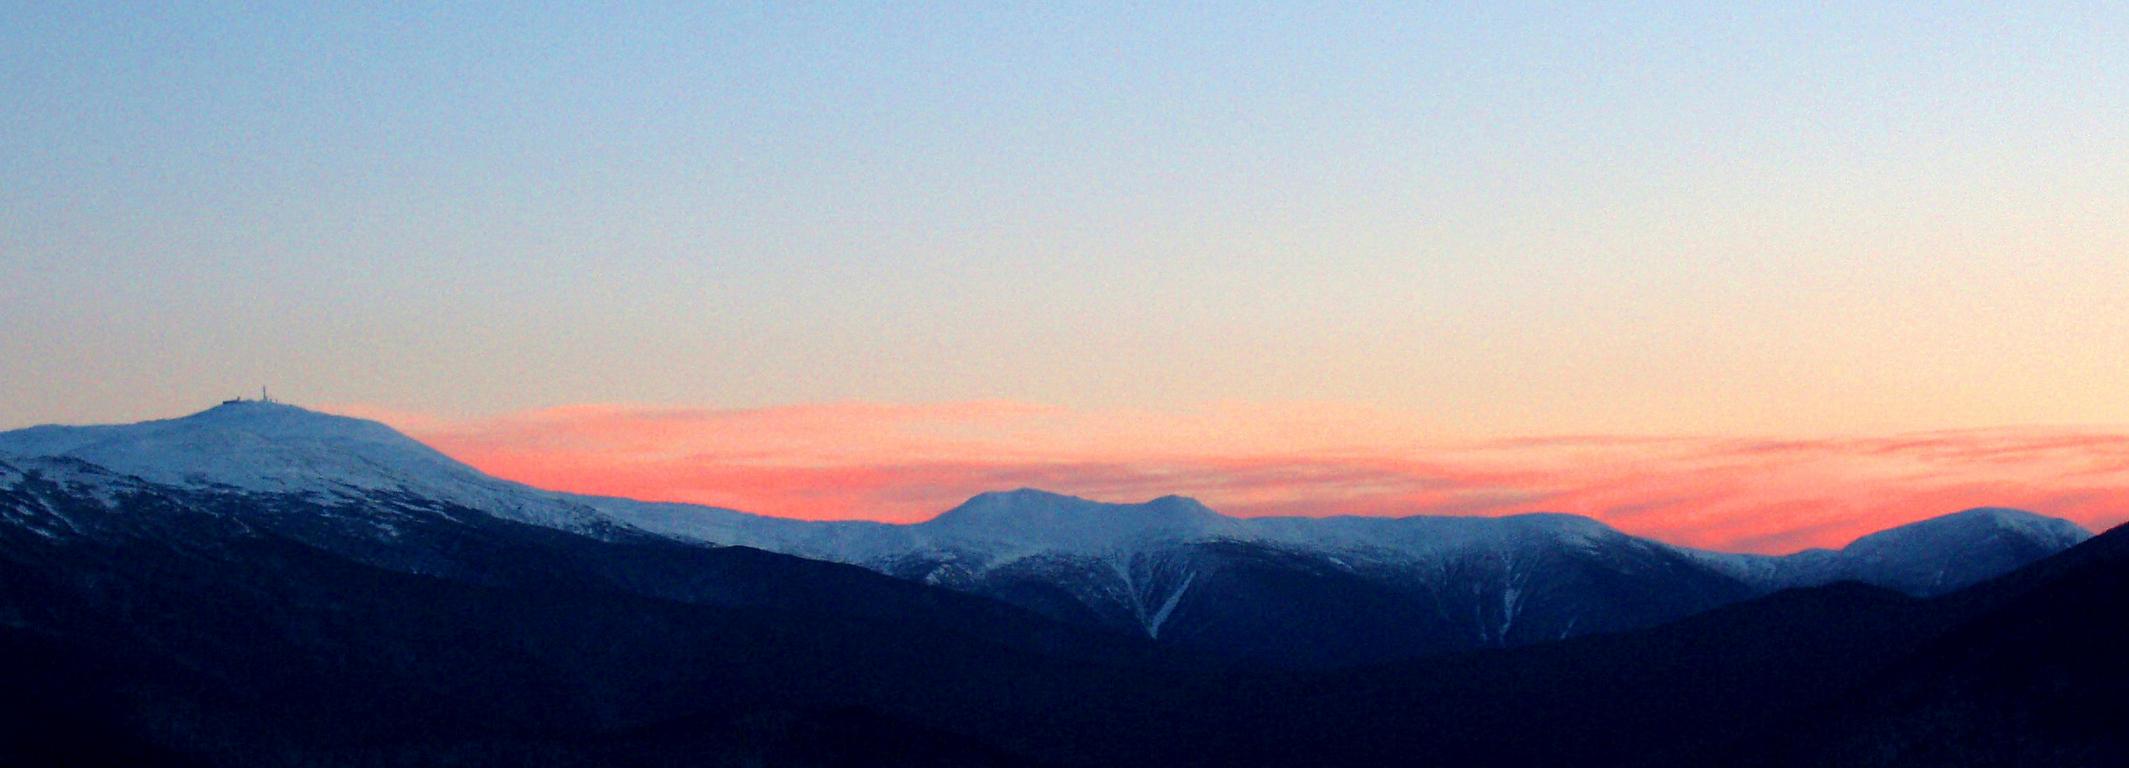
(1373, 242)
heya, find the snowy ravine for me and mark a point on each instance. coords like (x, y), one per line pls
(1308, 590)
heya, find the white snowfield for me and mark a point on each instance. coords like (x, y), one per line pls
(267, 447)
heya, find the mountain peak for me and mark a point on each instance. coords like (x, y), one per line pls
(275, 417)
(272, 447)
(1019, 495)
(1035, 501)
(2017, 523)
(252, 445)
(244, 406)
(1950, 551)
(1180, 502)
(1037, 515)
(1996, 515)
(230, 427)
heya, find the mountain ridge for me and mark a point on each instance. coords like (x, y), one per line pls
(230, 423)
(149, 622)
(1313, 590)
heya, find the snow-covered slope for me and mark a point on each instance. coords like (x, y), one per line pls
(251, 446)
(1923, 558)
(1004, 526)
(1345, 589)
(1313, 590)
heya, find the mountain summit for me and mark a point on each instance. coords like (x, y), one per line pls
(1945, 553)
(264, 447)
(1056, 521)
(249, 444)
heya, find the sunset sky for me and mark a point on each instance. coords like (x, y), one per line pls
(1750, 276)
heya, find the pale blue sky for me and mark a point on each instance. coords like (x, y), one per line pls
(1694, 217)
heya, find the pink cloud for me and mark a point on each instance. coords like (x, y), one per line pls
(908, 462)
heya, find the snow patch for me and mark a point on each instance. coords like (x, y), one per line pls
(1175, 598)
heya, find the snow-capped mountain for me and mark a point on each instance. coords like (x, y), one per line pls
(271, 448)
(1328, 590)
(1294, 589)
(147, 623)
(1357, 588)
(1929, 557)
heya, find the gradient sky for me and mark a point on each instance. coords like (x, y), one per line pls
(1473, 223)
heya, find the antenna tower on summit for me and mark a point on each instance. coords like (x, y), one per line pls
(262, 395)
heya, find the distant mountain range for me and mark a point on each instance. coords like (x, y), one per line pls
(1295, 590)
(258, 584)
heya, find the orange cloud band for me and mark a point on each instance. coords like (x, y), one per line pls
(908, 462)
